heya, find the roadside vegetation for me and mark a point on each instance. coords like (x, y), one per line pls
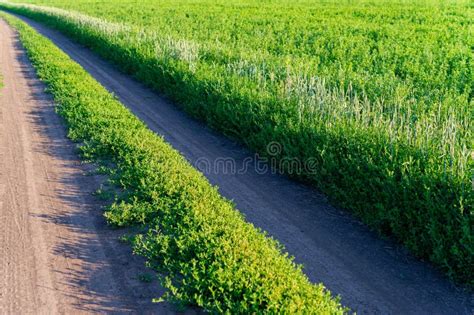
(379, 94)
(205, 251)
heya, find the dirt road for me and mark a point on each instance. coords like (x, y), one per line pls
(371, 275)
(56, 253)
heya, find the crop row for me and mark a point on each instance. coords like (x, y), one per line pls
(397, 158)
(207, 253)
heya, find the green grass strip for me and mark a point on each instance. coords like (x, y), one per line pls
(208, 255)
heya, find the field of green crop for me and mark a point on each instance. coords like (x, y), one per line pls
(380, 93)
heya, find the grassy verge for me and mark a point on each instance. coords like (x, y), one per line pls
(208, 254)
(415, 192)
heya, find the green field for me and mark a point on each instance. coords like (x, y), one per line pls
(379, 93)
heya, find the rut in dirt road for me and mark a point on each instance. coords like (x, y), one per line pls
(370, 274)
(56, 253)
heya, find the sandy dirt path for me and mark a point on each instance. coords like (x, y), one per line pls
(372, 275)
(56, 253)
